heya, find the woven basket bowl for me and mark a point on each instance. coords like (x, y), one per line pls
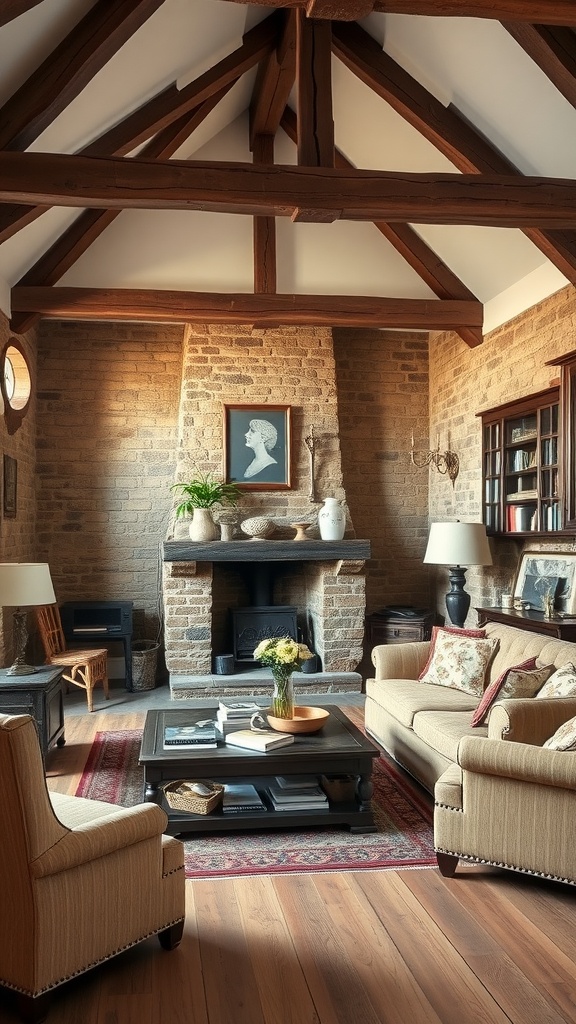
(180, 796)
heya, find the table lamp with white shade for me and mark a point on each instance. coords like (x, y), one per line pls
(24, 585)
(458, 545)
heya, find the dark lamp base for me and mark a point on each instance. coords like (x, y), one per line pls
(457, 600)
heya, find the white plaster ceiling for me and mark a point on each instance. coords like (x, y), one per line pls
(473, 64)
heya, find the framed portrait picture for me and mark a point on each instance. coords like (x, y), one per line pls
(9, 482)
(541, 572)
(257, 446)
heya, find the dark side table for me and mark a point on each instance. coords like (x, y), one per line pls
(388, 627)
(39, 695)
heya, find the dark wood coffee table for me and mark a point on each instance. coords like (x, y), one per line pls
(338, 749)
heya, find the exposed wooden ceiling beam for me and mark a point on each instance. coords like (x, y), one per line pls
(314, 94)
(274, 81)
(69, 68)
(442, 126)
(68, 248)
(264, 235)
(161, 111)
(549, 12)
(348, 194)
(242, 308)
(553, 50)
(433, 271)
(10, 9)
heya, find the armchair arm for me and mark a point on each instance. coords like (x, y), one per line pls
(520, 761)
(123, 827)
(529, 720)
(400, 661)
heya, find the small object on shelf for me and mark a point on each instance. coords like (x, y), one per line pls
(258, 528)
(340, 788)
(288, 782)
(305, 720)
(262, 741)
(300, 530)
(198, 796)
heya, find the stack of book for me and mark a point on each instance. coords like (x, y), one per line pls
(201, 736)
(241, 798)
(234, 715)
(286, 796)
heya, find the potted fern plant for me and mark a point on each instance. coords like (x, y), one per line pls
(200, 496)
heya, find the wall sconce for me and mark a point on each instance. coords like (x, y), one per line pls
(446, 463)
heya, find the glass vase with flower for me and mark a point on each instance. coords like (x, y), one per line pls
(284, 656)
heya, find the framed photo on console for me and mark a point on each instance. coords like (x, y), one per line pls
(257, 441)
(553, 571)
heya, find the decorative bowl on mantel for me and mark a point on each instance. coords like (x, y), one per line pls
(300, 530)
(258, 528)
(305, 720)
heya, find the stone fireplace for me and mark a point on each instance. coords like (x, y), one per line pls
(323, 580)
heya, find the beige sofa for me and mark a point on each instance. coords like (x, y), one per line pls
(422, 725)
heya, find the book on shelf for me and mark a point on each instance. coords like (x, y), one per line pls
(286, 798)
(261, 741)
(520, 518)
(240, 797)
(228, 709)
(200, 736)
(529, 494)
(302, 805)
(288, 782)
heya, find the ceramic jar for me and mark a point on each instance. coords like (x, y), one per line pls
(331, 520)
(203, 528)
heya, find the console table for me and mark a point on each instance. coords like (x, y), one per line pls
(40, 695)
(562, 629)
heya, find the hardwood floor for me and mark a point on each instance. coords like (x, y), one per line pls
(374, 947)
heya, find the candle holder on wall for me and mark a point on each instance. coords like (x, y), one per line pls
(310, 442)
(446, 463)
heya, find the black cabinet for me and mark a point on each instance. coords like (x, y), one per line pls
(39, 695)
(386, 627)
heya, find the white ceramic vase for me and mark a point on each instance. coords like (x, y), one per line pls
(331, 520)
(203, 527)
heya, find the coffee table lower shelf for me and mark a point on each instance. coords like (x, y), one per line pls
(358, 818)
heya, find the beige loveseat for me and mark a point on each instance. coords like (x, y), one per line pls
(421, 725)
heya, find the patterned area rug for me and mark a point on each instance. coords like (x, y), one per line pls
(402, 811)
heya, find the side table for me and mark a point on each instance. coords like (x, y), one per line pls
(40, 695)
(388, 627)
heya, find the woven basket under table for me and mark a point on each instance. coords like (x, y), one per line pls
(181, 797)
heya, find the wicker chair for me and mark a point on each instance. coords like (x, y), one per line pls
(86, 668)
(82, 879)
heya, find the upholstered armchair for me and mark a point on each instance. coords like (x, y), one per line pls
(509, 801)
(82, 880)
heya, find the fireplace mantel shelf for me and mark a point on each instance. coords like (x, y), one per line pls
(266, 550)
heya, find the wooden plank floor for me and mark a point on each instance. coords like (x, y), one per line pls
(374, 947)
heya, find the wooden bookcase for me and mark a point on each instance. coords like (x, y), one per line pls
(522, 471)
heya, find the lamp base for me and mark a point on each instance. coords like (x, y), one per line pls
(457, 600)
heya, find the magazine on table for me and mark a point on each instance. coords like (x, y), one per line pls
(236, 709)
(191, 737)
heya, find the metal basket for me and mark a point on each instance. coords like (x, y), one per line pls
(181, 797)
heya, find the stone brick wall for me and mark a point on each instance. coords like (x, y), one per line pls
(18, 535)
(382, 382)
(463, 382)
(107, 427)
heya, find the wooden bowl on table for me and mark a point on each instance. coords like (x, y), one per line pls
(305, 720)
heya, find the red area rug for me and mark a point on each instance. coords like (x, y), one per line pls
(402, 811)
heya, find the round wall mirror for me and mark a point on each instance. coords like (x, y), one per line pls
(15, 384)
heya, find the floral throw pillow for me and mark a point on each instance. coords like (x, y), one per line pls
(564, 738)
(522, 680)
(562, 682)
(460, 662)
(455, 630)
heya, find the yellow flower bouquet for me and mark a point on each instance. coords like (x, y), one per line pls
(284, 656)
